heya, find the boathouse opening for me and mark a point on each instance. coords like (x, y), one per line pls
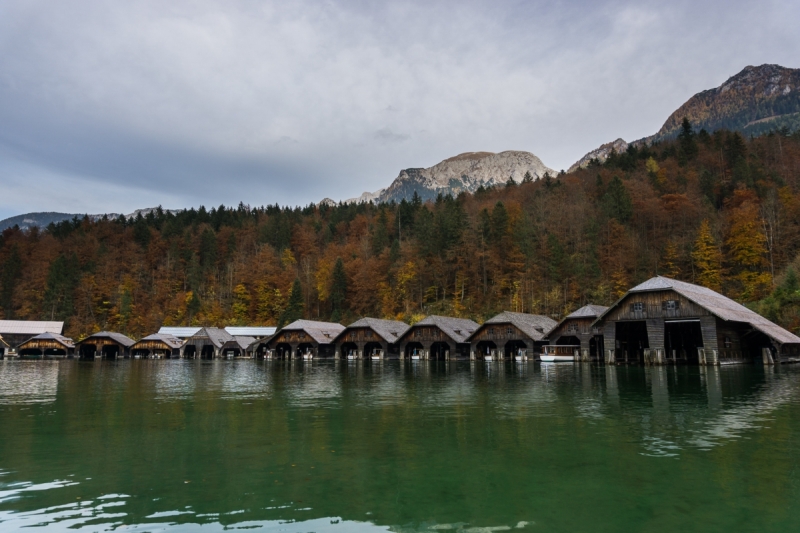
(87, 351)
(440, 351)
(515, 347)
(349, 349)
(283, 350)
(305, 348)
(595, 348)
(414, 348)
(682, 338)
(486, 348)
(373, 348)
(568, 340)
(190, 351)
(207, 352)
(632, 341)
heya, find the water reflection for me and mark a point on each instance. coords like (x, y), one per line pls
(390, 445)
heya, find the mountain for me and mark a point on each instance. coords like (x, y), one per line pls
(463, 173)
(41, 220)
(599, 154)
(755, 101)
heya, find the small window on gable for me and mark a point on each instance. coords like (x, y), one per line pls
(637, 307)
(491, 331)
(509, 330)
(670, 305)
(369, 333)
(572, 328)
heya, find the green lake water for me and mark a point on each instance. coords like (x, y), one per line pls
(141, 445)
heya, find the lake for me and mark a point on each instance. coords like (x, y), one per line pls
(169, 445)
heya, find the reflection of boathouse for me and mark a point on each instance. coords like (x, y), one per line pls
(305, 338)
(158, 345)
(371, 337)
(510, 334)
(105, 344)
(577, 329)
(438, 337)
(47, 345)
(664, 320)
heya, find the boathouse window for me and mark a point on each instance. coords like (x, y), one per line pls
(369, 333)
(727, 343)
(417, 333)
(637, 307)
(491, 331)
(670, 305)
(509, 330)
(572, 328)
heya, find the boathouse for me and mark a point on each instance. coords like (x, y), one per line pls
(105, 344)
(206, 343)
(438, 337)
(371, 338)
(4, 347)
(664, 320)
(15, 332)
(181, 332)
(158, 345)
(510, 334)
(47, 346)
(306, 338)
(237, 346)
(578, 329)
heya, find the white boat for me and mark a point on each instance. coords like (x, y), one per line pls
(308, 357)
(415, 357)
(488, 358)
(520, 358)
(558, 354)
(351, 357)
(376, 357)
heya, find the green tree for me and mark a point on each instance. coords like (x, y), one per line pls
(9, 276)
(527, 178)
(687, 142)
(294, 309)
(338, 290)
(62, 279)
(617, 202)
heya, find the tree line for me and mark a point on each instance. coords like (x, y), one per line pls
(717, 209)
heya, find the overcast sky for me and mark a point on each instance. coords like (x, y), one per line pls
(114, 106)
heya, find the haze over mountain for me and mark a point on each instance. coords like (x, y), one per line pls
(755, 101)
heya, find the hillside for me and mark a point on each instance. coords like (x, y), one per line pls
(717, 209)
(466, 172)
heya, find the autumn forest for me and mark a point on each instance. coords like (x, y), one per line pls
(716, 209)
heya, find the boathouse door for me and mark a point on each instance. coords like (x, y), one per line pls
(682, 338)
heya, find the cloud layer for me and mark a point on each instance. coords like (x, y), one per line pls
(114, 106)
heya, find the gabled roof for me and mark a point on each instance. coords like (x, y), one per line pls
(321, 332)
(119, 338)
(587, 311)
(180, 331)
(458, 329)
(715, 303)
(64, 341)
(170, 340)
(388, 330)
(30, 327)
(534, 326)
(217, 336)
(251, 331)
(242, 341)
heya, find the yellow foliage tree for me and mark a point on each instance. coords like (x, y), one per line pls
(241, 305)
(747, 248)
(707, 258)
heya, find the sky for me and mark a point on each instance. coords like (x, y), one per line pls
(115, 106)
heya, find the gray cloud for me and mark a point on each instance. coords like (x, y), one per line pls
(122, 105)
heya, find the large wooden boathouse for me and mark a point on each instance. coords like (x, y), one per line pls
(15, 332)
(578, 329)
(47, 346)
(105, 344)
(371, 338)
(438, 337)
(509, 335)
(664, 320)
(305, 338)
(157, 345)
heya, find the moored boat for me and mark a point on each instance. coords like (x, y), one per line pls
(558, 354)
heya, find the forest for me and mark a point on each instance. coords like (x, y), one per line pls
(716, 209)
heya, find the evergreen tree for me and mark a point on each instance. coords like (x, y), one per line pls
(338, 290)
(62, 278)
(527, 178)
(671, 269)
(707, 258)
(687, 142)
(294, 309)
(617, 202)
(10, 274)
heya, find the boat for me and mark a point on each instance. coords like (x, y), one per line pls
(558, 354)
(308, 357)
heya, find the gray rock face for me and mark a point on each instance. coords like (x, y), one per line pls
(462, 173)
(600, 154)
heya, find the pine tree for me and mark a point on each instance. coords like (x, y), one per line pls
(527, 178)
(617, 202)
(687, 142)
(707, 258)
(295, 307)
(748, 251)
(338, 294)
(671, 268)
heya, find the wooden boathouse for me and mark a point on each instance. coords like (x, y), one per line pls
(237, 346)
(371, 338)
(510, 334)
(305, 338)
(15, 332)
(158, 345)
(47, 346)
(577, 329)
(667, 321)
(4, 347)
(105, 344)
(438, 337)
(206, 343)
